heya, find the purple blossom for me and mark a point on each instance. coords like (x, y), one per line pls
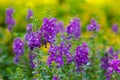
(81, 56)
(55, 56)
(105, 62)
(112, 53)
(31, 58)
(65, 51)
(16, 59)
(114, 66)
(29, 28)
(30, 14)
(49, 30)
(55, 78)
(27, 36)
(74, 29)
(93, 26)
(34, 40)
(115, 28)
(9, 19)
(18, 48)
(60, 27)
(108, 76)
(58, 59)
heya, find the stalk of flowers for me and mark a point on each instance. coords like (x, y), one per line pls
(58, 52)
(34, 40)
(18, 48)
(30, 14)
(74, 29)
(114, 67)
(31, 59)
(49, 30)
(9, 19)
(81, 56)
(93, 26)
(55, 56)
(107, 62)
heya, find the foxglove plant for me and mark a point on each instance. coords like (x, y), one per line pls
(9, 18)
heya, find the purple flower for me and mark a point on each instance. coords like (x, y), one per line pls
(34, 40)
(108, 76)
(58, 59)
(105, 62)
(65, 51)
(29, 28)
(18, 48)
(114, 66)
(60, 27)
(30, 14)
(9, 19)
(27, 36)
(112, 53)
(74, 29)
(55, 56)
(55, 78)
(31, 58)
(115, 28)
(93, 26)
(49, 30)
(81, 56)
(16, 59)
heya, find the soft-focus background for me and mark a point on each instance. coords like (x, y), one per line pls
(106, 12)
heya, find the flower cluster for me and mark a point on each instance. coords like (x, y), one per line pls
(55, 56)
(18, 48)
(34, 40)
(74, 29)
(110, 62)
(112, 53)
(105, 62)
(114, 66)
(81, 56)
(93, 26)
(9, 19)
(65, 51)
(49, 30)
